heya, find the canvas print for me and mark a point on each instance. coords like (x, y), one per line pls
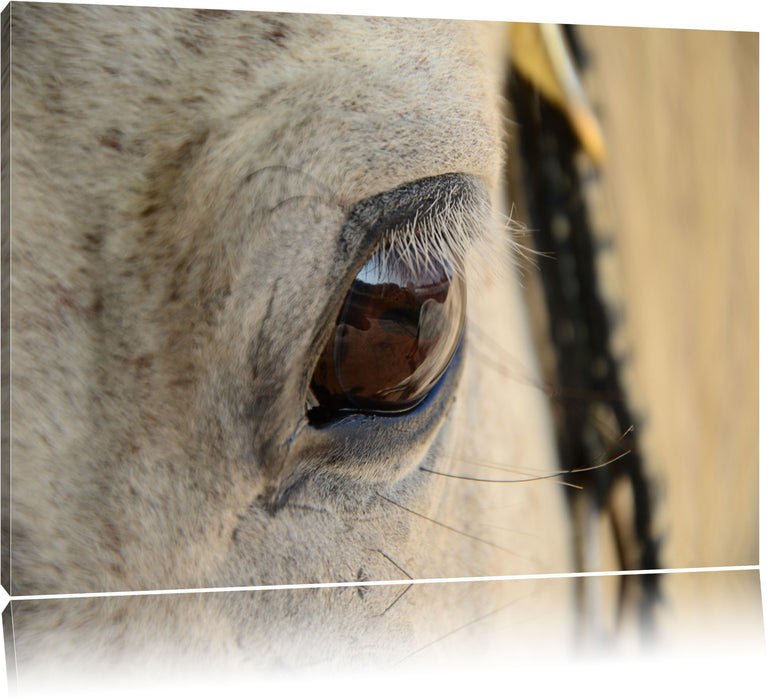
(361, 342)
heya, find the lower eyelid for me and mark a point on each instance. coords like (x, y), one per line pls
(364, 447)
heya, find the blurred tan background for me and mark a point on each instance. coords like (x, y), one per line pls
(679, 193)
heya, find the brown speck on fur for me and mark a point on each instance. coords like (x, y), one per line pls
(140, 363)
(112, 139)
(93, 241)
(278, 34)
(191, 43)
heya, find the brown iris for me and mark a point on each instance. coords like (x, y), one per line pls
(395, 336)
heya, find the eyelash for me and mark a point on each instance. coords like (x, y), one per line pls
(465, 234)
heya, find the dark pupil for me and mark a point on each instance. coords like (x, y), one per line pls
(395, 336)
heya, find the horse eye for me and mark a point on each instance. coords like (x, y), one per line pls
(397, 332)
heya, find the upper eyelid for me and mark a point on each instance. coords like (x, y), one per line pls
(446, 234)
(441, 217)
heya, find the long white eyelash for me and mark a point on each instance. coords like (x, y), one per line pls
(467, 236)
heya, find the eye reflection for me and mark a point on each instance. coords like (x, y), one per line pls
(395, 336)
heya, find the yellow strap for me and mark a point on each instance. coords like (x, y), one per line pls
(541, 56)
